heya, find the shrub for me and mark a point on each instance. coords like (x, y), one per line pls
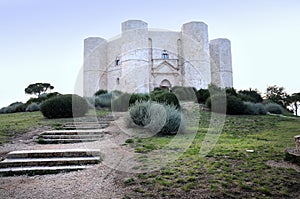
(231, 91)
(167, 98)
(255, 108)
(13, 108)
(138, 97)
(203, 95)
(162, 118)
(33, 107)
(234, 105)
(64, 106)
(250, 95)
(261, 108)
(103, 100)
(274, 108)
(121, 103)
(21, 108)
(42, 98)
(185, 93)
(100, 92)
(140, 113)
(219, 103)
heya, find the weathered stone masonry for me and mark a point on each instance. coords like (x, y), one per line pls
(142, 59)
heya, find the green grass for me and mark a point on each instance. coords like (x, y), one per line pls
(15, 124)
(228, 171)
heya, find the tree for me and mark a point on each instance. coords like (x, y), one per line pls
(277, 95)
(38, 88)
(294, 102)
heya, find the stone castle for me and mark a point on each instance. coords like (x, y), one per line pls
(141, 59)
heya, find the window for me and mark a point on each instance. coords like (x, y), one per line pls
(118, 81)
(164, 55)
(117, 62)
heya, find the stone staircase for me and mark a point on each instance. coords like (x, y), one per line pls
(78, 131)
(34, 162)
(71, 136)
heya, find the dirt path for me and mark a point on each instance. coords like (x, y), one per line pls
(100, 181)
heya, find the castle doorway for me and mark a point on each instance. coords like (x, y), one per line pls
(165, 84)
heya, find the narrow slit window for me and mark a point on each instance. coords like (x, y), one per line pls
(164, 55)
(117, 62)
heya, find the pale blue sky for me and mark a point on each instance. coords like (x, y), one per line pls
(42, 40)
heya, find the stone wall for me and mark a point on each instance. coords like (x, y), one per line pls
(133, 61)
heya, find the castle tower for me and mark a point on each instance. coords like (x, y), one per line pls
(94, 70)
(195, 50)
(135, 75)
(221, 64)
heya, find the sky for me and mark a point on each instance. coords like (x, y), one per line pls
(42, 40)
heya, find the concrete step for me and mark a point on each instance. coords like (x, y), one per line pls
(39, 170)
(48, 161)
(29, 162)
(53, 153)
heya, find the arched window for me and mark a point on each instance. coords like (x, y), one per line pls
(164, 54)
(118, 81)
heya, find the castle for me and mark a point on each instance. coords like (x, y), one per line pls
(142, 59)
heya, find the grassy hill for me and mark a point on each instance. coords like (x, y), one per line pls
(228, 171)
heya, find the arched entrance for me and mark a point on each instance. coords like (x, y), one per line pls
(165, 84)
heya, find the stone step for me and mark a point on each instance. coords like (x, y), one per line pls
(92, 136)
(65, 141)
(53, 153)
(48, 161)
(41, 170)
(74, 132)
(99, 126)
(63, 161)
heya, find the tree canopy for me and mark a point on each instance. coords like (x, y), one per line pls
(277, 95)
(38, 88)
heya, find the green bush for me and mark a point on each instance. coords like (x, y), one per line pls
(64, 106)
(274, 108)
(164, 119)
(120, 103)
(231, 91)
(232, 104)
(100, 92)
(21, 108)
(235, 106)
(103, 100)
(185, 93)
(13, 108)
(250, 95)
(33, 107)
(203, 95)
(140, 113)
(165, 97)
(42, 98)
(255, 108)
(138, 97)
